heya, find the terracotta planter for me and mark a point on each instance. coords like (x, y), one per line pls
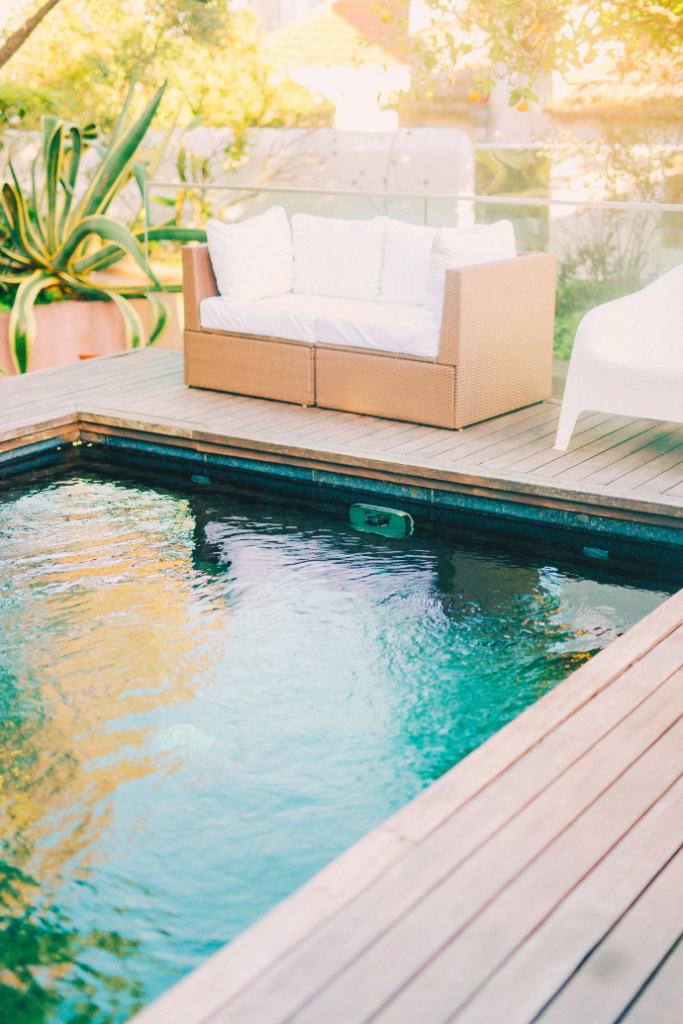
(69, 330)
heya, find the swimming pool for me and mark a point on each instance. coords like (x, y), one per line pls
(206, 697)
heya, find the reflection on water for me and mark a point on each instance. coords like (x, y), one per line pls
(204, 700)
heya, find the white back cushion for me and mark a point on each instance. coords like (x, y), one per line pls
(407, 249)
(464, 247)
(338, 257)
(252, 259)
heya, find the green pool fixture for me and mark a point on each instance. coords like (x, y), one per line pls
(596, 553)
(388, 522)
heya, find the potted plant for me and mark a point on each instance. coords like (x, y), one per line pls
(56, 241)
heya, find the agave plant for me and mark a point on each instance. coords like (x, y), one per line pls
(54, 240)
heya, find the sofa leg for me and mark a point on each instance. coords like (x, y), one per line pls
(565, 427)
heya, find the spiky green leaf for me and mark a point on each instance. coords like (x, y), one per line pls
(114, 166)
(48, 124)
(140, 174)
(173, 234)
(70, 176)
(22, 321)
(52, 172)
(109, 231)
(19, 225)
(124, 116)
(135, 332)
(159, 311)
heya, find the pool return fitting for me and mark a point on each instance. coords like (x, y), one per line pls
(387, 522)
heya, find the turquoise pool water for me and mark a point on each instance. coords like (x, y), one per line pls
(205, 698)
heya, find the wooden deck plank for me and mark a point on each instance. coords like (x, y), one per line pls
(606, 963)
(503, 426)
(186, 410)
(519, 444)
(257, 422)
(629, 478)
(465, 445)
(611, 978)
(662, 998)
(630, 448)
(383, 440)
(572, 464)
(375, 441)
(483, 942)
(140, 394)
(657, 446)
(183, 408)
(216, 412)
(664, 484)
(674, 491)
(82, 385)
(539, 454)
(336, 432)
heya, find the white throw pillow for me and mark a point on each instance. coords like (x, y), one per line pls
(464, 247)
(407, 249)
(252, 259)
(338, 257)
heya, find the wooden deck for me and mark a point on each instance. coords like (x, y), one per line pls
(616, 467)
(541, 879)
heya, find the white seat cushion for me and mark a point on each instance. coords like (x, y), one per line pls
(465, 247)
(388, 327)
(338, 257)
(407, 250)
(252, 259)
(281, 316)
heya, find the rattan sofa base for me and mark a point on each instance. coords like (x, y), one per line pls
(248, 365)
(495, 351)
(386, 385)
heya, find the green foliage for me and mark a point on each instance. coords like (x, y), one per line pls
(211, 57)
(609, 253)
(49, 233)
(532, 38)
(574, 298)
(16, 101)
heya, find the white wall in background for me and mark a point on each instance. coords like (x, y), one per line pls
(357, 93)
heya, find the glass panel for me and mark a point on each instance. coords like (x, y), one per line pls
(604, 250)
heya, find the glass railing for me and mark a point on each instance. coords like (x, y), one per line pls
(604, 249)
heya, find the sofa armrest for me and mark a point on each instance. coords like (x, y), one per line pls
(198, 282)
(497, 330)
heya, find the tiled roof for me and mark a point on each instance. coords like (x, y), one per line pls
(342, 34)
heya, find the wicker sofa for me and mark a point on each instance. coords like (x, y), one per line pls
(494, 351)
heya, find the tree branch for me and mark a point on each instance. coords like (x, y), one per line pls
(19, 37)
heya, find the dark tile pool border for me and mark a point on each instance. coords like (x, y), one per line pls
(628, 537)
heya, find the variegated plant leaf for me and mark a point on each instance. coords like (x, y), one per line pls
(159, 311)
(22, 321)
(109, 231)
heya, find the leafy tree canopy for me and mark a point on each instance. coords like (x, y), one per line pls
(531, 38)
(80, 60)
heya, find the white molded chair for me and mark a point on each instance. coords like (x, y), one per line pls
(628, 358)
